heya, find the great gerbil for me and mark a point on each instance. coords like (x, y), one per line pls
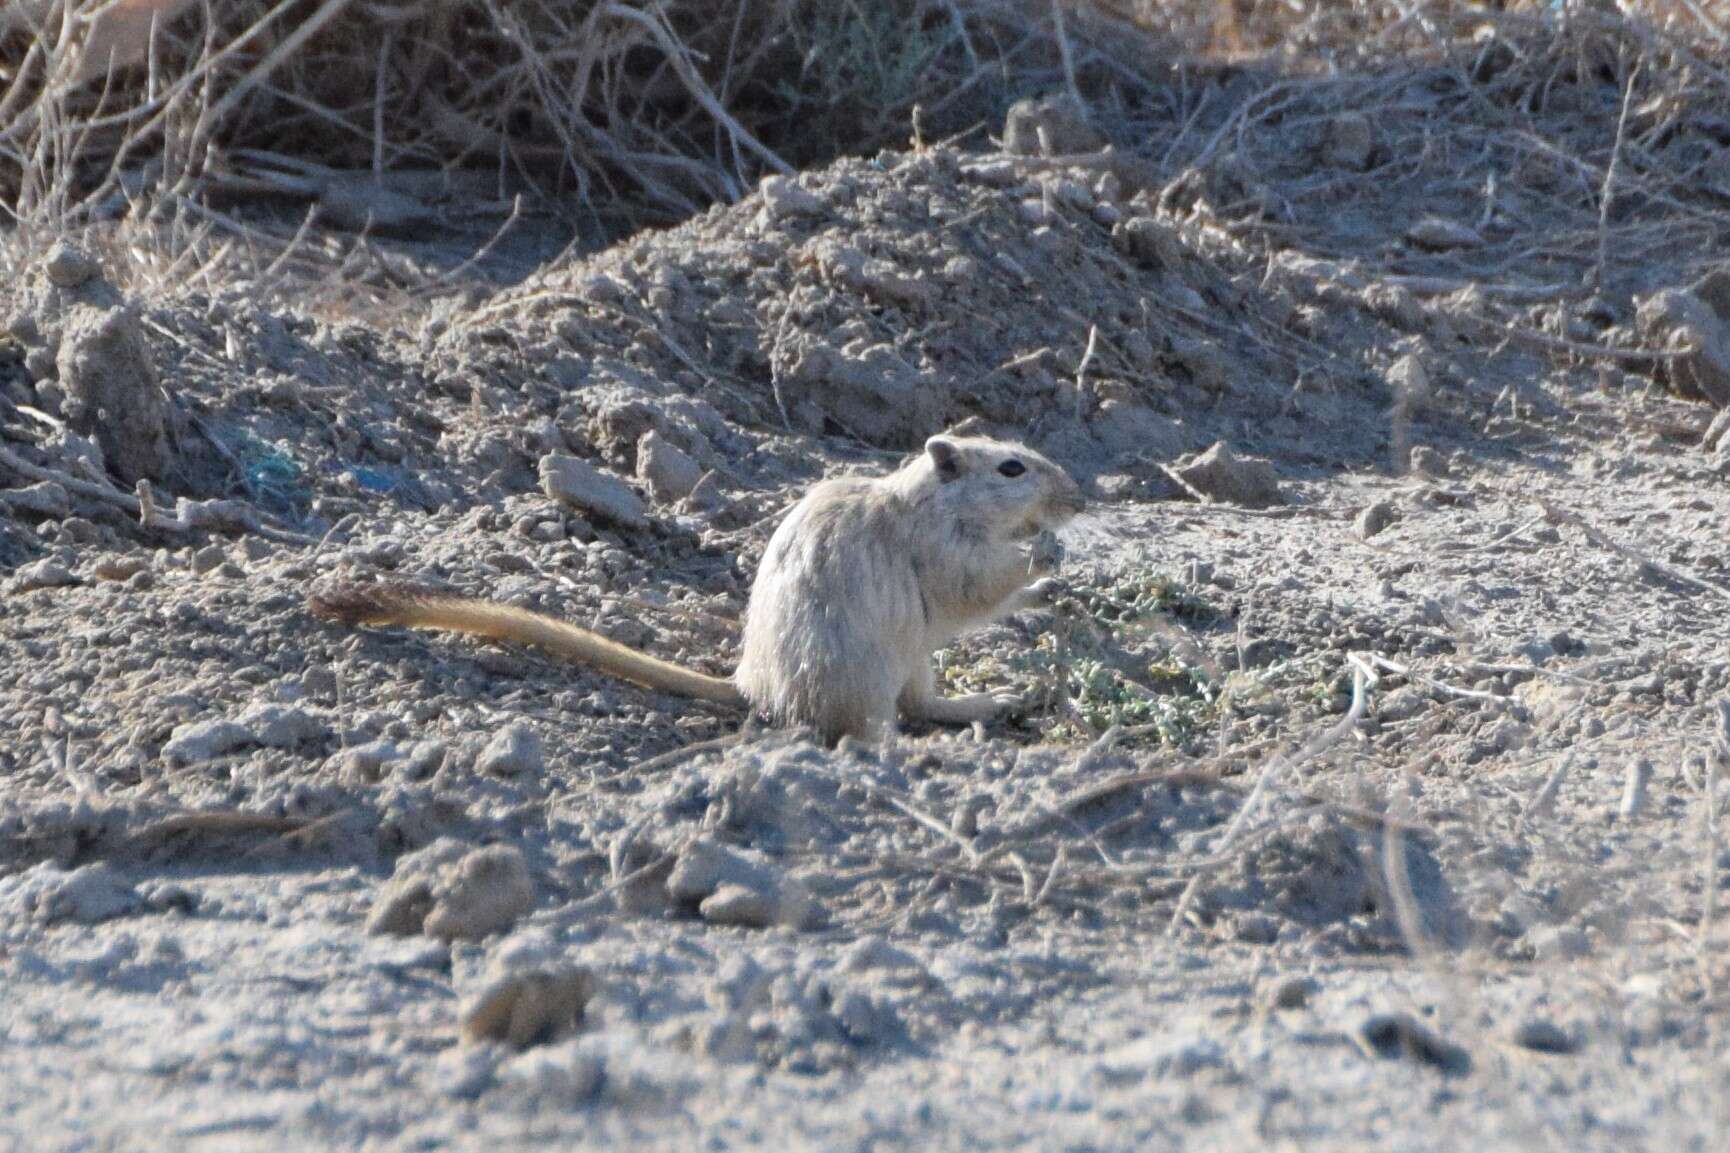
(861, 583)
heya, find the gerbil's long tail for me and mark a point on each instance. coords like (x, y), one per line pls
(399, 603)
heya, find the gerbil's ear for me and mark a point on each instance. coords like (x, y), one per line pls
(945, 454)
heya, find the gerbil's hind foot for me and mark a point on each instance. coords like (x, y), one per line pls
(968, 709)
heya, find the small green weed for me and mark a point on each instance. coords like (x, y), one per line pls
(1092, 671)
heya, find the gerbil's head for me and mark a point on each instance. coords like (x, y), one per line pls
(1004, 485)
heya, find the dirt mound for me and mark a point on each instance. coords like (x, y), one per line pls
(881, 301)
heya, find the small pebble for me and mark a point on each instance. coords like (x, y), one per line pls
(1376, 517)
(1392, 1035)
(1439, 234)
(1256, 929)
(737, 905)
(119, 568)
(1429, 462)
(666, 468)
(68, 266)
(208, 558)
(1544, 1036)
(785, 197)
(582, 486)
(1034, 211)
(1634, 787)
(1291, 993)
(513, 751)
(526, 1009)
(44, 574)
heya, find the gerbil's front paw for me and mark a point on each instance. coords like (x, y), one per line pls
(1046, 591)
(1041, 594)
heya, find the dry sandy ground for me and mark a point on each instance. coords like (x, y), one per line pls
(1366, 803)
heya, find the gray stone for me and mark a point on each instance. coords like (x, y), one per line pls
(1376, 517)
(1152, 243)
(529, 1008)
(784, 197)
(1049, 126)
(1439, 234)
(119, 568)
(424, 758)
(201, 741)
(1129, 429)
(46, 573)
(281, 726)
(273, 726)
(68, 266)
(1697, 317)
(486, 893)
(731, 888)
(1557, 942)
(49, 894)
(666, 468)
(1543, 1036)
(1159, 1056)
(1075, 195)
(1410, 381)
(208, 560)
(1291, 993)
(1395, 1035)
(40, 364)
(1256, 928)
(367, 762)
(513, 751)
(1429, 462)
(707, 495)
(864, 1019)
(1221, 475)
(737, 905)
(112, 391)
(869, 389)
(1035, 212)
(582, 486)
(453, 892)
(704, 866)
(870, 953)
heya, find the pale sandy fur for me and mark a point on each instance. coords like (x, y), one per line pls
(866, 578)
(862, 582)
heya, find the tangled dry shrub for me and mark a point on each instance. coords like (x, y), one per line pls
(608, 107)
(1325, 32)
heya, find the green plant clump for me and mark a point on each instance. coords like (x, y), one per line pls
(1084, 679)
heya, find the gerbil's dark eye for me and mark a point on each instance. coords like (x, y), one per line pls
(1011, 468)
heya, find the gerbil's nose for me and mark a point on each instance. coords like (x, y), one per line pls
(1071, 499)
(1077, 499)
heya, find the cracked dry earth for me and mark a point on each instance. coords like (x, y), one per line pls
(1402, 840)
